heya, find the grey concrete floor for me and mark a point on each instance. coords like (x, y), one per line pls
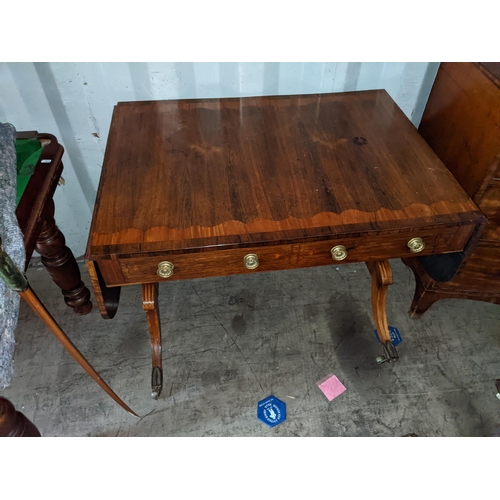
(231, 341)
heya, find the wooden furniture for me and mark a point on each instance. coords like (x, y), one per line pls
(35, 214)
(461, 123)
(214, 187)
(13, 423)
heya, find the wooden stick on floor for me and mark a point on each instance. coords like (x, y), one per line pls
(15, 280)
(29, 296)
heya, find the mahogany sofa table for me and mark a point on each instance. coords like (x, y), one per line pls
(215, 187)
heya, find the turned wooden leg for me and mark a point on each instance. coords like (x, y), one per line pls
(14, 423)
(381, 279)
(150, 305)
(61, 264)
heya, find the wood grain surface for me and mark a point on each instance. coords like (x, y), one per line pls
(370, 247)
(462, 124)
(490, 206)
(35, 215)
(189, 175)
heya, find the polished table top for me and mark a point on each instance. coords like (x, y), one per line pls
(186, 175)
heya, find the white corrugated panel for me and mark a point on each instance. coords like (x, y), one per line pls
(74, 101)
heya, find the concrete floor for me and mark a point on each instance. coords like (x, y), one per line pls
(230, 342)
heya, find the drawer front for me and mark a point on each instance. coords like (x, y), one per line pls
(360, 248)
(490, 206)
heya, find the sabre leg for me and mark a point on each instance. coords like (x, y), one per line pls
(150, 305)
(381, 280)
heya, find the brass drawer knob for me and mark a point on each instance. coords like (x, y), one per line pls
(165, 269)
(416, 245)
(339, 252)
(251, 261)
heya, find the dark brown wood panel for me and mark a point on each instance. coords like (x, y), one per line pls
(492, 71)
(461, 120)
(490, 206)
(482, 267)
(360, 248)
(462, 123)
(265, 170)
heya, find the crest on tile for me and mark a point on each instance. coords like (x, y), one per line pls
(271, 411)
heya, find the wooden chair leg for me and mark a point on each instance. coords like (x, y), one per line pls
(13, 423)
(60, 263)
(150, 305)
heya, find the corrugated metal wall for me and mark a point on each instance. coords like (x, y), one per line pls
(74, 101)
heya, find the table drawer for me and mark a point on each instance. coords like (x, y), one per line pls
(359, 248)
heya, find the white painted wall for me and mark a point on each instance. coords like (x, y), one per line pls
(74, 101)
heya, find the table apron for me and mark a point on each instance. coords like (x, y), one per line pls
(360, 248)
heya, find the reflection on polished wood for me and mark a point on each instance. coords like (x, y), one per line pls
(189, 174)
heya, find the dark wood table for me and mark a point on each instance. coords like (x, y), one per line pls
(214, 187)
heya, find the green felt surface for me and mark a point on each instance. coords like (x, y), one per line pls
(28, 152)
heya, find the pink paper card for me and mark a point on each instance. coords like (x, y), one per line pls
(331, 387)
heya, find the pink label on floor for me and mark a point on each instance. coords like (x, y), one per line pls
(331, 387)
